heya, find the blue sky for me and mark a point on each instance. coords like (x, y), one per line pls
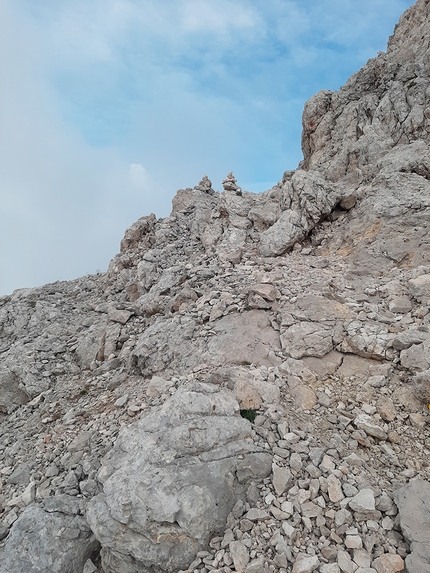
(107, 107)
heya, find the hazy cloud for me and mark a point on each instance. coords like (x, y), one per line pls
(139, 176)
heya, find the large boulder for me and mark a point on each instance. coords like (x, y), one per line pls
(171, 480)
(53, 539)
(282, 235)
(11, 393)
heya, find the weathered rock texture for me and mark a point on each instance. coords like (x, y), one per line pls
(307, 305)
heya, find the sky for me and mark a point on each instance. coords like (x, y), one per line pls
(108, 107)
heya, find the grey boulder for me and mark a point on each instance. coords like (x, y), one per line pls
(55, 539)
(171, 480)
(12, 394)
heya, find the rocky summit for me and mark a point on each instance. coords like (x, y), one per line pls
(247, 387)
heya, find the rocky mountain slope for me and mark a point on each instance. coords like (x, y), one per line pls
(304, 308)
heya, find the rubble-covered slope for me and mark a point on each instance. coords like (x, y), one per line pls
(307, 305)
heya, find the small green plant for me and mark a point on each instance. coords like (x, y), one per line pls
(412, 85)
(248, 415)
(244, 363)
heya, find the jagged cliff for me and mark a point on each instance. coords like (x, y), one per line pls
(307, 306)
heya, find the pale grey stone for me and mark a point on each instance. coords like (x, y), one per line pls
(81, 442)
(239, 554)
(21, 475)
(342, 516)
(281, 235)
(4, 530)
(362, 558)
(408, 338)
(248, 337)
(417, 357)
(353, 542)
(386, 504)
(29, 494)
(334, 489)
(310, 509)
(89, 345)
(288, 529)
(121, 401)
(305, 563)
(420, 288)
(255, 514)
(345, 562)
(257, 566)
(330, 568)
(89, 567)
(120, 316)
(158, 386)
(363, 501)
(296, 463)
(12, 394)
(401, 304)
(421, 387)
(42, 541)
(364, 422)
(304, 397)
(282, 479)
(65, 504)
(265, 290)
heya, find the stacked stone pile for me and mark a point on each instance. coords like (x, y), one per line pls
(122, 447)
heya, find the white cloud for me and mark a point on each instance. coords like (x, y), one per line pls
(222, 16)
(139, 176)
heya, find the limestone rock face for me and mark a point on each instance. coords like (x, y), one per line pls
(172, 479)
(381, 106)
